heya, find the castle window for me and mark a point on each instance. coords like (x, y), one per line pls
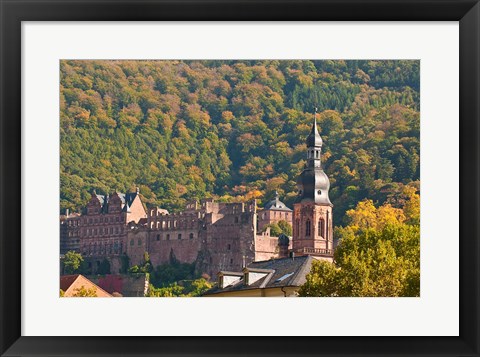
(179, 236)
(298, 226)
(319, 192)
(236, 219)
(231, 261)
(139, 242)
(229, 247)
(111, 230)
(308, 228)
(168, 236)
(90, 220)
(101, 219)
(96, 220)
(191, 235)
(158, 236)
(132, 242)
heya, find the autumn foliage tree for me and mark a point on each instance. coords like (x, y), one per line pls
(378, 254)
(183, 130)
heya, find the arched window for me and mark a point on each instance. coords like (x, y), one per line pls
(132, 242)
(191, 235)
(321, 227)
(308, 227)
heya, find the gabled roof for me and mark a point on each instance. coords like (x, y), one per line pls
(127, 199)
(71, 283)
(100, 198)
(279, 273)
(276, 204)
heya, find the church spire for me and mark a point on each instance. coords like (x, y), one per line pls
(313, 183)
(314, 139)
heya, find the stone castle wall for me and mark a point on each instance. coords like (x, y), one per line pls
(215, 236)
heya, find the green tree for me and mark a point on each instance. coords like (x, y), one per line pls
(285, 227)
(72, 262)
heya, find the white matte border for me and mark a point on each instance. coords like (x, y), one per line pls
(435, 313)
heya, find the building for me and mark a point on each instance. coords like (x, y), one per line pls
(102, 230)
(312, 211)
(274, 212)
(73, 285)
(271, 278)
(213, 235)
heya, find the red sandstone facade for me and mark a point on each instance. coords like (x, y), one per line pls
(215, 236)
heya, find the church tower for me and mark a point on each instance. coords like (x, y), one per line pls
(312, 212)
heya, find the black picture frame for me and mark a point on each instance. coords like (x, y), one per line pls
(13, 12)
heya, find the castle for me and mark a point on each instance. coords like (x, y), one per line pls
(215, 236)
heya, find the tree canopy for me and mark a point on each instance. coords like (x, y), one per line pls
(378, 254)
(235, 130)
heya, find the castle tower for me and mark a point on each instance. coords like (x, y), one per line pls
(312, 212)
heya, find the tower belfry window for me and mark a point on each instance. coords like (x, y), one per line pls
(321, 228)
(308, 228)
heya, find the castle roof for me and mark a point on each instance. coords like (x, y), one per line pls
(276, 204)
(127, 199)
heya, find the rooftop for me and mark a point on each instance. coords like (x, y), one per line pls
(281, 272)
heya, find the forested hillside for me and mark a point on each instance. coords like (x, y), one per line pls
(235, 130)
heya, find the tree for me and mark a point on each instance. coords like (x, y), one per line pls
(183, 288)
(85, 292)
(72, 262)
(285, 227)
(378, 255)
